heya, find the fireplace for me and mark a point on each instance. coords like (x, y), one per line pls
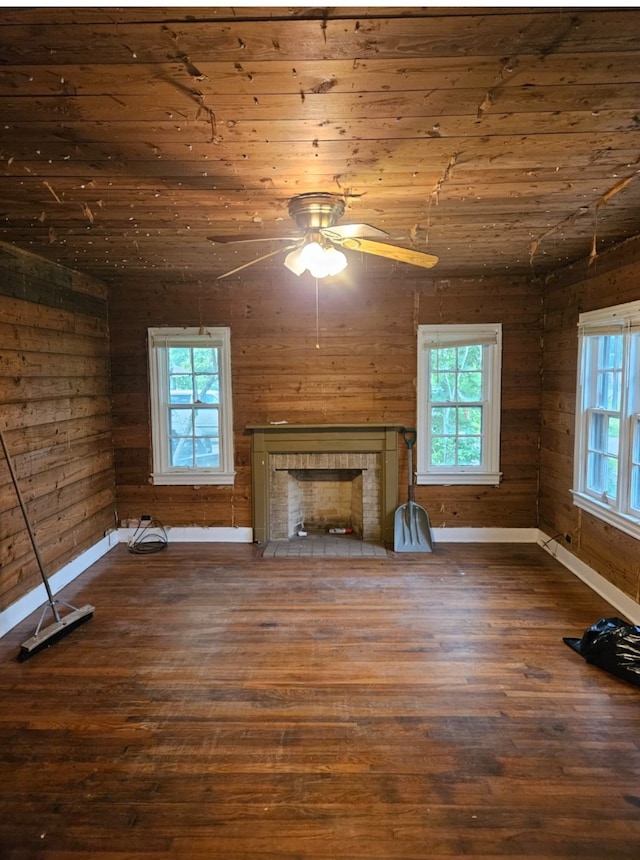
(318, 477)
(317, 492)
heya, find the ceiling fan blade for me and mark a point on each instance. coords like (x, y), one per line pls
(233, 240)
(392, 252)
(253, 262)
(348, 231)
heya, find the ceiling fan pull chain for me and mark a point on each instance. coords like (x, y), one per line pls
(317, 316)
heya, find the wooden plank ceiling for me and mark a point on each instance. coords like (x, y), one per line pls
(503, 140)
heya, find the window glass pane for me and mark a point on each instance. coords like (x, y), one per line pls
(179, 359)
(180, 389)
(605, 361)
(634, 489)
(437, 420)
(443, 387)
(602, 475)
(610, 353)
(207, 388)
(597, 435)
(611, 479)
(180, 422)
(604, 433)
(207, 453)
(182, 453)
(608, 390)
(444, 359)
(449, 420)
(613, 434)
(633, 385)
(443, 451)
(205, 360)
(636, 441)
(469, 451)
(470, 386)
(595, 473)
(470, 357)
(206, 422)
(443, 420)
(634, 500)
(470, 421)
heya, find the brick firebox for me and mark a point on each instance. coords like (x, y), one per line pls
(318, 491)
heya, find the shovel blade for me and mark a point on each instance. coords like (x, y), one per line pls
(412, 532)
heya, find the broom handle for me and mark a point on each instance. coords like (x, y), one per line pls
(14, 480)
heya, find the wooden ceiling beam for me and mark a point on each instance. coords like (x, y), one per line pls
(354, 36)
(320, 76)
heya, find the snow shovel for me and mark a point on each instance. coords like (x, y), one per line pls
(412, 529)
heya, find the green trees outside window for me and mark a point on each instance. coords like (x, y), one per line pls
(455, 395)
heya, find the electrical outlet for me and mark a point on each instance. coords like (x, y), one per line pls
(145, 518)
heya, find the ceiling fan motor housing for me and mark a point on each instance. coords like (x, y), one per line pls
(313, 212)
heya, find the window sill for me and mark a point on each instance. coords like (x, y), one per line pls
(194, 479)
(623, 522)
(459, 478)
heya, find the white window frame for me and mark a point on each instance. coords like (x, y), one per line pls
(489, 336)
(622, 320)
(159, 340)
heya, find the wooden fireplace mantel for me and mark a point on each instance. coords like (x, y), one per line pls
(277, 425)
(268, 439)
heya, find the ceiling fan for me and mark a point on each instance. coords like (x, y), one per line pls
(317, 250)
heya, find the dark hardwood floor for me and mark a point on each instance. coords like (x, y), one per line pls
(222, 705)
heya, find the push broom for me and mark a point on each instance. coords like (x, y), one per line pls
(43, 638)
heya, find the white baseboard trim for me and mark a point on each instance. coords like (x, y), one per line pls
(488, 535)
(194, 534)
(22, 608)
(624, 604)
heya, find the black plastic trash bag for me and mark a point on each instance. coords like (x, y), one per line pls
(613, 645)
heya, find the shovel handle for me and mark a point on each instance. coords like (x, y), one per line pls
(409, 435)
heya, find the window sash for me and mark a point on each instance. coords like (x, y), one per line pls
(634, 494)
(607, 447)
(192, 427)
(459, 431)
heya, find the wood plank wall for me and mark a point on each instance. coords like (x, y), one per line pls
(56, 417)
(363, 370)
(613, 279)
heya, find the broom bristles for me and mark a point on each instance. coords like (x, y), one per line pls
(54, 632)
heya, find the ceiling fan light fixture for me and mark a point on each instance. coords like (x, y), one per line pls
(335, 260)
(313, 256)
(294, 262)
(321, 262)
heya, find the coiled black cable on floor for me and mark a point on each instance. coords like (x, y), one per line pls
(148, 538)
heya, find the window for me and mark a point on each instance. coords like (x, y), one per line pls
(607, 447)
(191, 420)
(459, 369)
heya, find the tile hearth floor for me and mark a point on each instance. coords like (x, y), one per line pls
(320, 545)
